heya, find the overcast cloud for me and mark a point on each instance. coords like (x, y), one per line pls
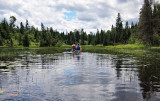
(71, 14)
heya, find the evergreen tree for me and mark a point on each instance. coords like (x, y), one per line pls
(43, 32)
(89, 38)
(132, 25)
(145, 23)
(102, 36)
(12, 23)
(1, 41)
(119, 28)
(82, 37)
(72, 37)
(97, 37)
(5, 29)
(27, 25)
(26, 41)
(21, 28)
(52, 32)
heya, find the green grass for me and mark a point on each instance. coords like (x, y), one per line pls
(9, 53)
(133, 49)
(127, 46)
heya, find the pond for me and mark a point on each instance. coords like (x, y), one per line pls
(84, 77)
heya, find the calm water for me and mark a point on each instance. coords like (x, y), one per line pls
(84, 77)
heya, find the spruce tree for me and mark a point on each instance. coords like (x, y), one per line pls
(27, 25)
(119, 28)
(97, 37)
(21, 28)
(77, 35)
(26, 41)
(145, 23)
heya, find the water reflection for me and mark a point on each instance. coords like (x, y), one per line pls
(70, 77)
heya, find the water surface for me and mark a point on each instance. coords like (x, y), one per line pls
(85, 77)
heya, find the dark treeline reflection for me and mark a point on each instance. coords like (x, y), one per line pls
(149, 74)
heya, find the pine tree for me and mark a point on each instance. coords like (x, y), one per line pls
(21, 28)
(102, 36)
(4, 29)
(26, 41)
(43, 32)
(27, 25)
(82, 37)
(119, 28)
(145, 23)
(97, 37)
(77, 35)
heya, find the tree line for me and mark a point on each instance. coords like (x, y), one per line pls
(146, 31)
(26, 35)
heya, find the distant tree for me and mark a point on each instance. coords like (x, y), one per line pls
(26, 41)
(43, 32)
(82, 37)
(4, 29)
(72, 37)
(90, 38)
(77, 35)
(119, 28)
(12, 23)
(113, 34)
(106, 38)
(126, 33)
(21, 28)
(1, 41)
(52, 32)
(42, 27)
(132, 25)
(145, 23)
(27, 25)
(102, 36)
(36, 35)
(97, 37)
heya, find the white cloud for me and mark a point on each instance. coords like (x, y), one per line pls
(90, 14)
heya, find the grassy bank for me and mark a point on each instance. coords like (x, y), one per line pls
(118, 49)
(147, 56)
(9, 53)
(130, 49)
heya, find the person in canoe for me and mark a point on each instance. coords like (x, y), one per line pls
(78, 48)
(73, 48)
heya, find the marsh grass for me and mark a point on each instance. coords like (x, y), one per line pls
(118, 49)
(10, 53)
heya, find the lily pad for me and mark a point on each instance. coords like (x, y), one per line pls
(58, 69)
(7, 72)
(10, 66)
(1, 92)
(17, 91)
(39, 71)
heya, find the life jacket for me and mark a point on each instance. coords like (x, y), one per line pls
(78, 47)
(74, 47)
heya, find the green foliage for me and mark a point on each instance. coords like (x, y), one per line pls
(26, 41)
(156, 39)
(145, 23)
(11, 35)
(59, 43)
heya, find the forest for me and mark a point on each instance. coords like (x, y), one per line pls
(146, 31)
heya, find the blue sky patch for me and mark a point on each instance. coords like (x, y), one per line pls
(69, 15)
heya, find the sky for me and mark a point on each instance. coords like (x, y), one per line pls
(67, 15)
